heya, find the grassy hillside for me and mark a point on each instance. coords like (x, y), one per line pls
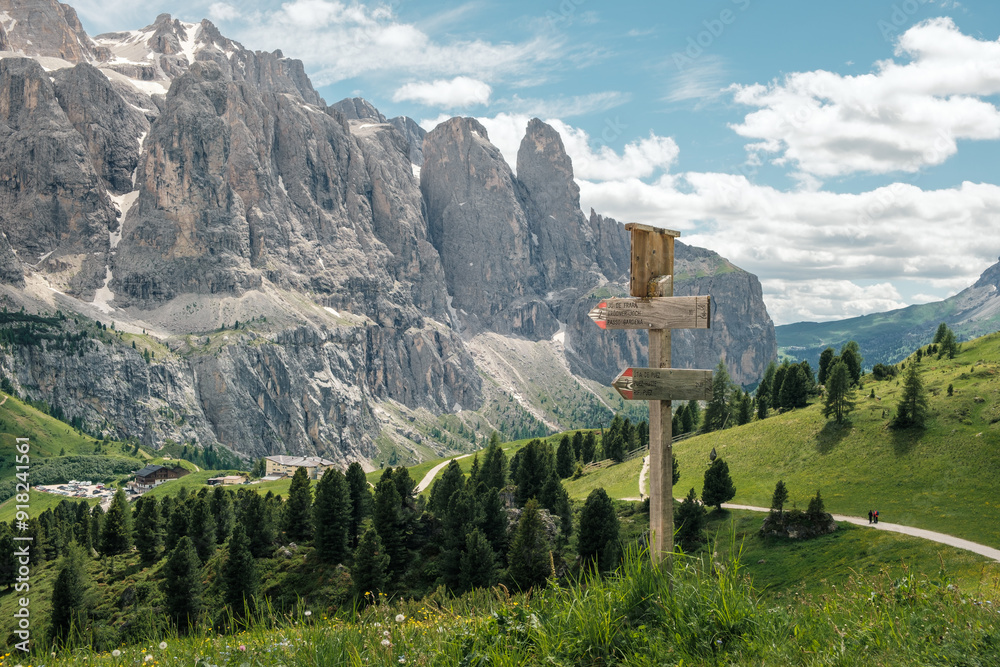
(941, 478)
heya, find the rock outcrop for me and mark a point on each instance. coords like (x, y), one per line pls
(56, 214)
(311, 273)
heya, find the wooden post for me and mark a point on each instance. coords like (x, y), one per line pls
(652, 270)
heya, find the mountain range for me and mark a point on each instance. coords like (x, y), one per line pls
(279, 275)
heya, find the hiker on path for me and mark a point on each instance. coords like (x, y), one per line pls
(876, 516)
(870, 515)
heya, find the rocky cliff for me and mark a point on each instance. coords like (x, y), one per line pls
(282, 275)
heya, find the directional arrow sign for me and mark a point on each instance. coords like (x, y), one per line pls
(664, 384)
(664, 312)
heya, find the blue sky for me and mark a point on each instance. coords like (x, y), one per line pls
(845, 152)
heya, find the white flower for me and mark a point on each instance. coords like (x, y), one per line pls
(163, 645)
(308, 613)
(385, 633)
(386, 642)
(148, 658)
(400, 618)
(116, 653)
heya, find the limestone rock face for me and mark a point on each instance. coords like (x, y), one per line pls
(46, 28)
(109, 125)
(56, 213)
(481, 231)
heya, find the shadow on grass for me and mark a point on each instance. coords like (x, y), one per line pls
(831, 434)
(904, 439)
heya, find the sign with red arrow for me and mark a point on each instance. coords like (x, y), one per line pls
(664, 384)
(665, 312)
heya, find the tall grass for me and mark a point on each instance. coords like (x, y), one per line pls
(705, 612)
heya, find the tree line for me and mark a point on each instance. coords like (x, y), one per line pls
(209, 553)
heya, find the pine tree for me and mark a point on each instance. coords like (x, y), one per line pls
(240, 582)
(371, 562)
(528, 558)
(589, 447)
(179, 526)
(838, 401)
(793, 392)
(361, 500)
(96, 527)
(744, 410)
(717, 412)
(494, 471)
(675, 471)
(779, 379)
(850, 354)
(612, 442)
(565, 460)
(598, 536)
(494, 522)
(404, 485)
(825, 363)
(717, 487)
(255, 518)
(763, 395)
(578, 445)
(779, 498)
(816, 508)
(458, 519)
(223, 512)
(912, 409)
(116, 537)
(478, 568)
(451, 480)
(69, 608)
(298, 510)
(948, 346)
(202, 529)
(532, 470)
(181, 585)
(8, 564)
(689, 522)
(81, 528)
(387, 519)
(686, 417)
(148, 531)
(331, 517)
(941, 332)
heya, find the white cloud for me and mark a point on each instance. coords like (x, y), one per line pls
(564, 107)
(221, 11)
(704, 79)
(821, 300)
(460, 92)
(900, 117)
(942, 239)
(339, 41)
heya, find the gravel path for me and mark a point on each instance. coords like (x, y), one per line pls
(432, 473)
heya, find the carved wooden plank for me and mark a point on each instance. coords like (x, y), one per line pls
(664, 384)
(676, 312)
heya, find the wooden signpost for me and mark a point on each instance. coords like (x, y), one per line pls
(663, 384)
(679, 312)
(654, 307)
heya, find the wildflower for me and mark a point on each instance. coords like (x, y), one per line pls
(402, 660)
(400, 618)
(308, 613)
(386, 642)
(148, 658)
(163, 645)
(385, 633)
(116, 653)
(242, 647)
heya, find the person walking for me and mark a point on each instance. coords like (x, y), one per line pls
(870, 515)
(876, 516)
